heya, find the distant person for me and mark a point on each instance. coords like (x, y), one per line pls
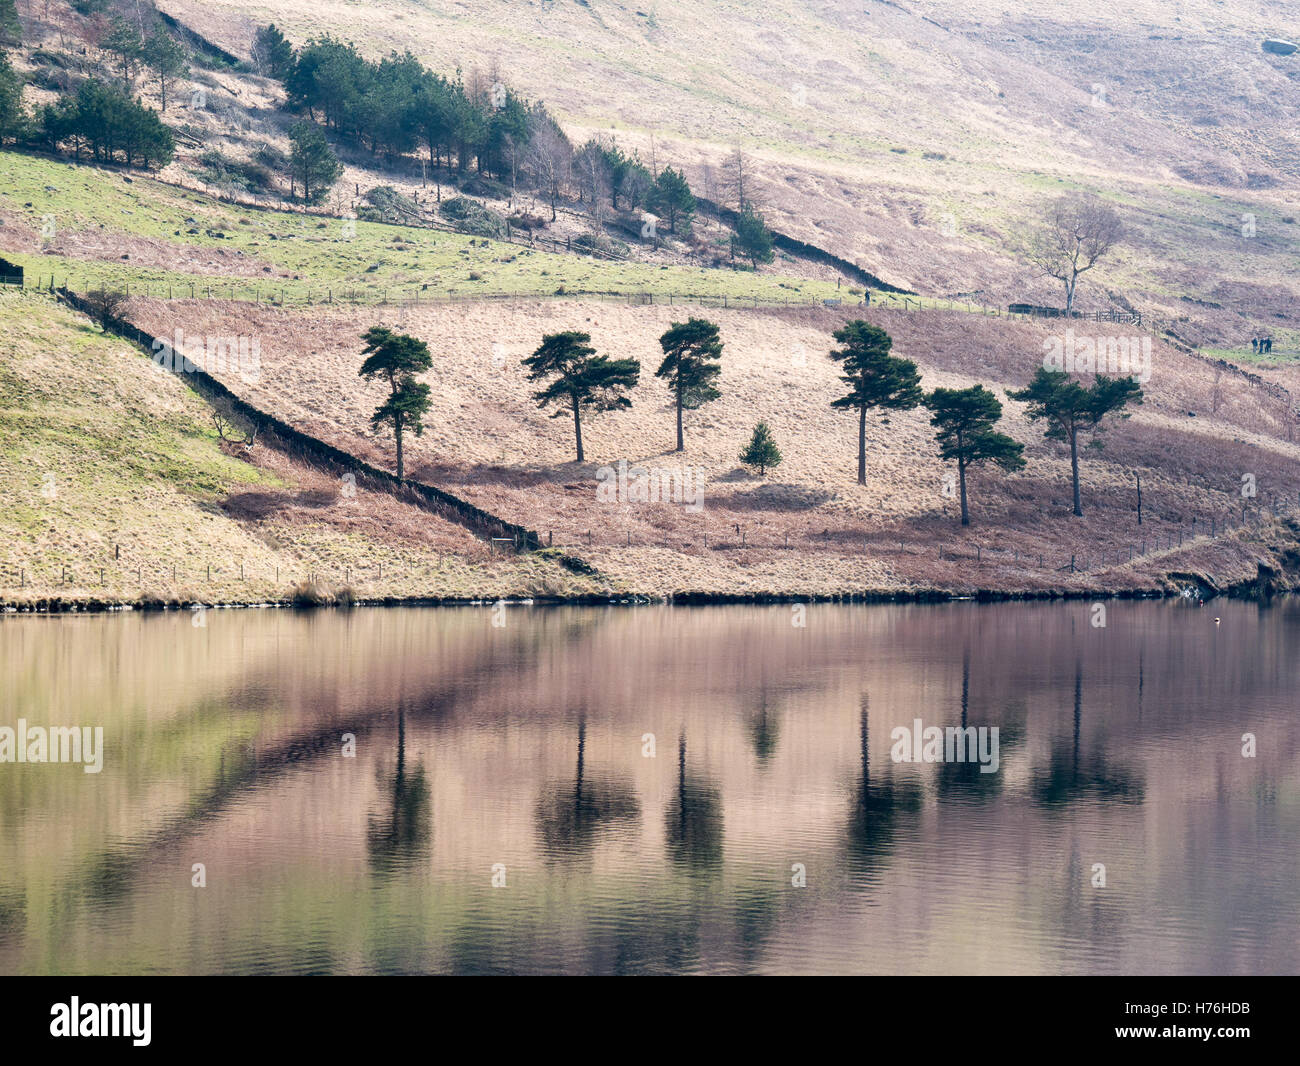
(1254, 344)
(1268, 345)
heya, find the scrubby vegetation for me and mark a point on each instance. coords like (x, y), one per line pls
(371, 145)
(119, 488)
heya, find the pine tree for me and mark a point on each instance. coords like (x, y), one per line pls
(691, 353)
(123, 40)
(312, 163)
(583, 379)
(11, 29)
(12, 117)
(397, 358)
(875, 378)
(752, 239)
(671, 198)
(164, 55)
(1070, 408)
(964, 421)
(272, 52)
(761, 451)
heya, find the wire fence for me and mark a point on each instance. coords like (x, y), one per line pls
(352, 295)
(87, 573)
(1049, 559)
(415, 295)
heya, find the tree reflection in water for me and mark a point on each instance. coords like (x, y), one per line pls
(764, 727)
(876, 806)
(693, 823)
(401, 839)
(570, 817)
(1071, 777)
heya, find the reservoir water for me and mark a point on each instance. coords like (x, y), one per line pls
(656, 790)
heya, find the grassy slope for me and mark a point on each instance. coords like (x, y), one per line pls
(487, 441)
(512, 460)
(109, 464)
(919, 150)
(99, 218)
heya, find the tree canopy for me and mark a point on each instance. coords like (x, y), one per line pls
(963, 420)
(106, 122)
(1070, 408)
(582, 380)
(761, 451)
(692, 351)
(752, 239)
(312, 163)
(397, 358)
(875, 378)
(1076, 233)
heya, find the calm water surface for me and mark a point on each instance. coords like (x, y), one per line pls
(521, 753)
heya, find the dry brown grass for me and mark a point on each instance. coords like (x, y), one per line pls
(487, 442)
(117, 489)
(916, 139)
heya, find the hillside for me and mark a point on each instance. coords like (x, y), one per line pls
(915, 142)
(807, 526)
(919, 147)
(118, 489)
(106, 230)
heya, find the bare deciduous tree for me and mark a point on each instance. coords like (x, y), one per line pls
(1077, 232)
(227, 427)
(106, 306)
(550, 156)
(592, 170)
(737, 184)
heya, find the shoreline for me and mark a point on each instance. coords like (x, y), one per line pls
(1254, 590)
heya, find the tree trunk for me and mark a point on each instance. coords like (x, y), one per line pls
(577, 428)
(1074, 469)
(681, 442)
(961, 477)
(862, 445)
(397, 429)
